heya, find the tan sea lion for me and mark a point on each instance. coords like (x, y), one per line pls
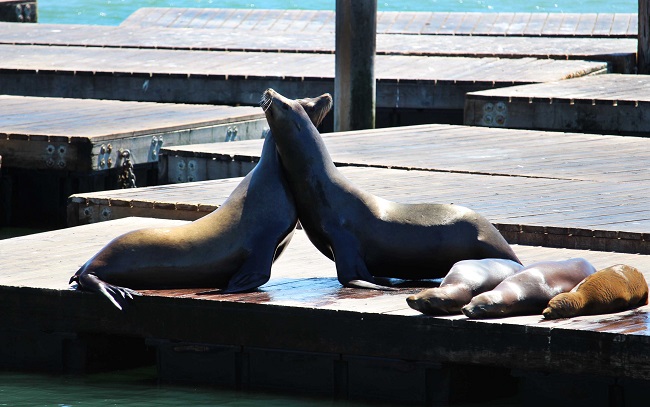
(365, 235)
(232, 247)
(466, 279)
(611, 289)
(530, 290)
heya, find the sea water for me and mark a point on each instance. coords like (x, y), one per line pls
(113, 12)
(139, 387)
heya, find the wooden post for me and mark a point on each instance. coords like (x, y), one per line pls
(354, 83)
(643, 48)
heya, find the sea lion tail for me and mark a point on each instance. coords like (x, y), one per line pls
(118, 296)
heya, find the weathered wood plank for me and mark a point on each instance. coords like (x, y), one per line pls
(30, 127)
(445, 23)
(610, 104)
(435, 147)
(601, 210)
(238, 78)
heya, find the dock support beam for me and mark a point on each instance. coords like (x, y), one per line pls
(643, 54)
(354, 83)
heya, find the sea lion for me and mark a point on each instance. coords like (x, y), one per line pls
(365, 235)
(232, 247)
(612, 289)
(529, 291)
(466, 279)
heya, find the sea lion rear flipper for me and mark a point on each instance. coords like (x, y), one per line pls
(119, 296)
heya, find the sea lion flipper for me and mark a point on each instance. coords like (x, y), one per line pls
(119, 296)
(351, 270)
(255, 271)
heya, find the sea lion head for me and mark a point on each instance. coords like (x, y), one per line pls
(489, 303)
(281, 111)
(435, 301)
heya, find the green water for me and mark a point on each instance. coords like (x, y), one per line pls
(133, 389)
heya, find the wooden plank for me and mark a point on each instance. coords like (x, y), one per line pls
(303, 292)
(620, 52)
(513, 203)
(237, 77)
(436, 23)
(619, 102)
(520, 153)
(31, 125)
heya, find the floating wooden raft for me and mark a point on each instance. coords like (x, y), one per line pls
(609, 104)
(87, 135)
(448, 148)
(302, 330)
(619, 52)
(240, 77)
(535, 211)
(560, 189)
(52, 148)
(390, 22)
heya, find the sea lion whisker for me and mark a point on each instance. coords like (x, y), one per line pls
(265, 101)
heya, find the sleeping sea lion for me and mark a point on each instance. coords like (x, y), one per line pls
(611, 289)
(466, 279)
(529, 291)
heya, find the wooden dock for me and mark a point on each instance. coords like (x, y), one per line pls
(231, 78)
(549, 212)
(54, 147)
(605, 25)
(450, 148)
(620, 53)
(608, 104)
(304, 332)
(539, 188)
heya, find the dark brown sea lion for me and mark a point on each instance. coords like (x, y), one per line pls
(365, 235)
(232, 247)
(466, 279)
(530, 290)
(611, 289)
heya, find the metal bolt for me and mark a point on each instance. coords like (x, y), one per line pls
(50, 149)
(62, 149)
(102, 163)
(109, 148)
(49, 162)
(102, 149)
(106, 213)
(61, 164)
(110, 162)
(87, 212)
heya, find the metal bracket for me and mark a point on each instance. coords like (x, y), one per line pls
(55, 156)
(154, 148)
(104, 160)
(231, 134)
(495, 114)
